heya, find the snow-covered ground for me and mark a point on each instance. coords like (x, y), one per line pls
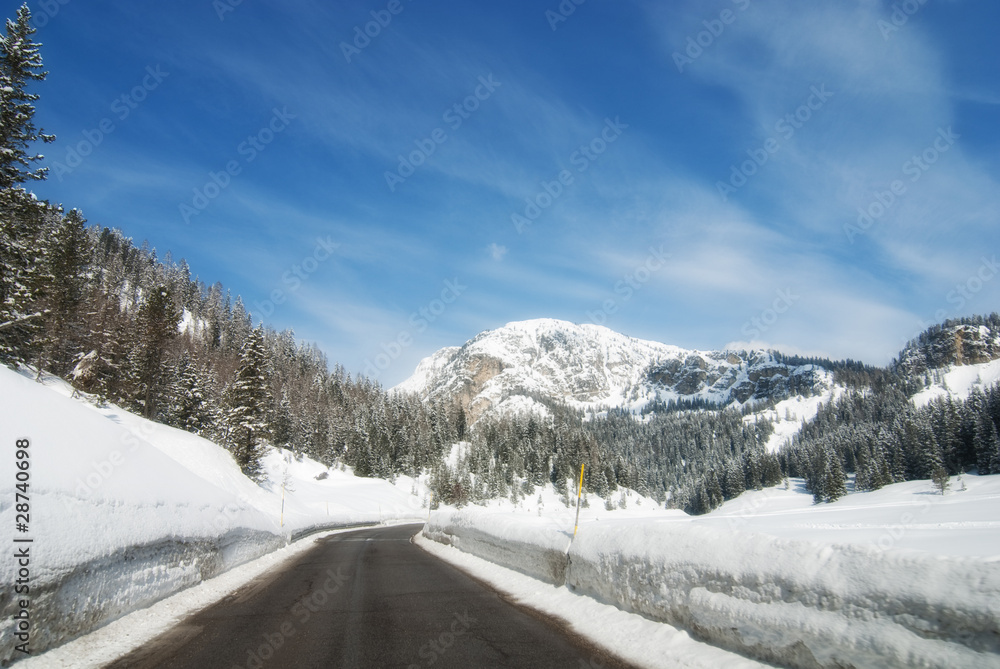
(899, 577)
(959, 381)
(910, 516)
(789, 415)
(123, 512)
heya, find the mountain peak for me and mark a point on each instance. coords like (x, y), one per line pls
(591, 367)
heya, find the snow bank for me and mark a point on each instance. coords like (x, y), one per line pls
(74, 600)
(802, 604)
(124, 512)
(532, 546)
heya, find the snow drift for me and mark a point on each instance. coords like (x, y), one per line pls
(802, 604)
(124, 512)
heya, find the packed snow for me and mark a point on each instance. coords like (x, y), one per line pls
(959, 381)
(124, 511)
(899, 577)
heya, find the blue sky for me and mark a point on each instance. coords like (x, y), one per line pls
(818, 177)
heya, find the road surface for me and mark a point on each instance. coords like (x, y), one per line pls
(367, 598)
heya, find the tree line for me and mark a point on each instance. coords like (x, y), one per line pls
(84, 303)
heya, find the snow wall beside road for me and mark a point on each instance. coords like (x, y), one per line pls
(797, 603)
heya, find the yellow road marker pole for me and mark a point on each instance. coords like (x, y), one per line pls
(579, 496)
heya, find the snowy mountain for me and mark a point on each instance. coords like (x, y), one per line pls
(591, 366)
(967, 341)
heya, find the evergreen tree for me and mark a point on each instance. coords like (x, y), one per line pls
(66, 258)
(248, 401)
(156, 326)
(929, 456)
(190, 409)
(830, 483)
(22, 224)
(20, 65)
(940, 478)
(733, 482)
(281, 421)
(987, 447)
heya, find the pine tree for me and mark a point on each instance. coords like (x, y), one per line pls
(22, 222)
(281, 421)
(156, 326)
(831, 483)
(101, 374)
(20, 64)
(863, 479)
(714, 488)
(929, 456)
(248, 401)
(190, 409)
(940, 478)
(65, 259)
(733, 483)
(987, 447)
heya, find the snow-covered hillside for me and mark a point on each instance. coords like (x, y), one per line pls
(958, 382)
(123, 511)
(590, 366)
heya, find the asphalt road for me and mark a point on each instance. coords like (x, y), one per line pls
(367, 598)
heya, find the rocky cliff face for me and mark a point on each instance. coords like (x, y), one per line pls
(951, 344)
(592, 367)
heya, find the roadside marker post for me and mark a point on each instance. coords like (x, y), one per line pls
(579, 495)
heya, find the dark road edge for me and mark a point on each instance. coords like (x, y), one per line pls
(605, 659)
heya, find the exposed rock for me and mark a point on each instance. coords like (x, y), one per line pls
(592, 367)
